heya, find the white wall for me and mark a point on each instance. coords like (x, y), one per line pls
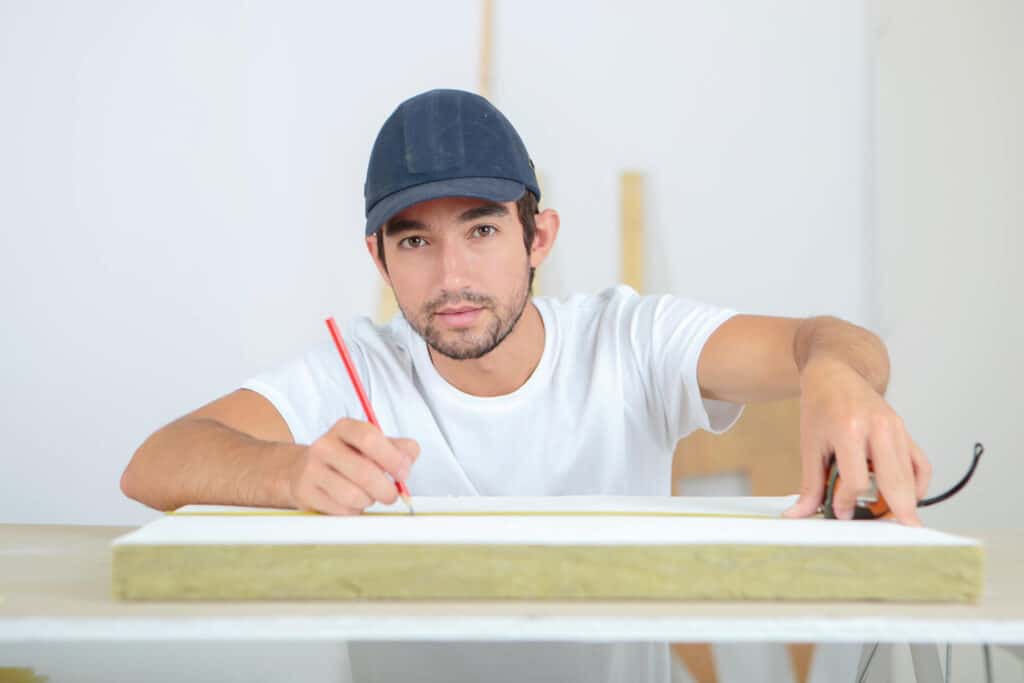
(749, 119)
(182, 206)
(950, 173)
(181, 186)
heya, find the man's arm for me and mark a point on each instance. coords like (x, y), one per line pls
(752, 358)
(840, 372)
(238, 450)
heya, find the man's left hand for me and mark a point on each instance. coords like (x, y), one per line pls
(841, 413)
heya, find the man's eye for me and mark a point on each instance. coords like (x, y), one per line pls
(484, 230)
(412, 242)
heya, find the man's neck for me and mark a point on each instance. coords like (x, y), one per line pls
(504, 369)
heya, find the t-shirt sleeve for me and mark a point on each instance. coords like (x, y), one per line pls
(667, 335)
(306, 391)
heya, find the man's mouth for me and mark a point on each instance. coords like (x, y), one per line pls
(458, 309)
(458, 316)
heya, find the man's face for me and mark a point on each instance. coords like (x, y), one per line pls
(460, 272)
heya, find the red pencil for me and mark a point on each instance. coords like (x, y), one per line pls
(367, 408)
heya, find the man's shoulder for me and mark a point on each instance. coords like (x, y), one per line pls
(585, 320)
(371, 345)
(379, 341)
(612, 305)
(622, 311)
(590, 303)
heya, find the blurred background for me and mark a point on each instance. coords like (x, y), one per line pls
(181, 196)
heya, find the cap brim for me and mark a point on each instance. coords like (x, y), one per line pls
(492, 189)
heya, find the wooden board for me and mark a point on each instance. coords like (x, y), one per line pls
(631, 221)
(543, 548)
(764, 445)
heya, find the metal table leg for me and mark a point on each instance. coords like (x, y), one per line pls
(926, 662)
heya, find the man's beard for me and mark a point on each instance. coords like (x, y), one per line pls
(466, 344)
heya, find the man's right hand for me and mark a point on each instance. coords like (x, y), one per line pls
(346, 470)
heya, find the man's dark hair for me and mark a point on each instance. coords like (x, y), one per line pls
(526, 207)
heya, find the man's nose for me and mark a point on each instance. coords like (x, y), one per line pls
(455, 267)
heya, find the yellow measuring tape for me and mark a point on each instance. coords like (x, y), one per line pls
(483, 513)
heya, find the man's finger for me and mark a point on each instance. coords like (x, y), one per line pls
(851, 459)
(894, 474)
(366, 475)
(371, 442)
(922, 468)
(408, 447)
(319, 500)
(346, 493)
(812, 477)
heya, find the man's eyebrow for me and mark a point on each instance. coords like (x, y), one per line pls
(400, 225)
(482, 211)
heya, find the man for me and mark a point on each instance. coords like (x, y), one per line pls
(508, 395)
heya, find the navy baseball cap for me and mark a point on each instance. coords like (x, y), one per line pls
(444, 143)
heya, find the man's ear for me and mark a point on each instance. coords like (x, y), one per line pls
(371, 246)
(544, 237)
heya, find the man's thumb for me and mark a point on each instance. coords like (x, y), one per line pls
(407, 446)
(812, 482)
(805, 506)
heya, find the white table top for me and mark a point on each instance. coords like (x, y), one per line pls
(55, 585)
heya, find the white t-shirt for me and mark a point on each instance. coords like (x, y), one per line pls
(615, 389)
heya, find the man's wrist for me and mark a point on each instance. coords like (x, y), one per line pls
(281, 461)
(821, 368)
(827, 340)
(827, 368)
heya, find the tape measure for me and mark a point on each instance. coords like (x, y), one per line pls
(474, 513)
(871, 504)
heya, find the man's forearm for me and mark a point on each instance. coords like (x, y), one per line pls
(836, 340)
(197, 460)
